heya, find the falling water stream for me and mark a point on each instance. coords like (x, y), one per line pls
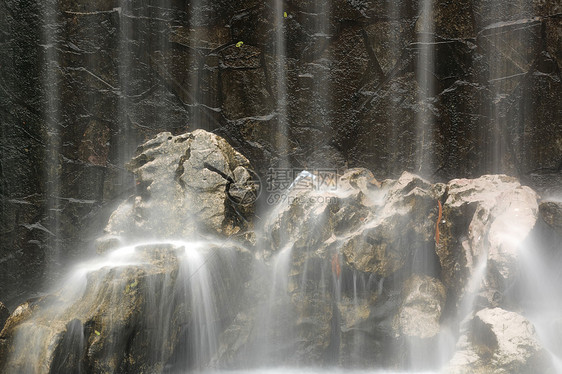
(52, 117)
(542, 297)
(113, 279)
(279, 21)
(125, 73)
(425, 69)
(205, 272)
(181, 309)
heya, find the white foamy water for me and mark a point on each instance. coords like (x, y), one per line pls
(113, 276)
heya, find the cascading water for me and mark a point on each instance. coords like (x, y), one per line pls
(196, 19)
(322, 67)
(52, 119)
(164, 305)
(125, 73)
(399, 275)
(178, 310)
(280, 15)
(540, 294)
(425, 68)
(274, 343)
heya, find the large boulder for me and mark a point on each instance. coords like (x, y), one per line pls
(401, 225)
(187, 184)
(501, 342)
(343, 241)
(161, 301)
(484, 222)
(135, 311)
(377, 227)
(417, 322)
(423, 301)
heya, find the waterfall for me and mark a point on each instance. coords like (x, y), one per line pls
(280, 18)
(180, 308)
(125, 75)
(52, 118)
(541, 296)
(424, 71)
(396, 40)
(323, 67)
(505, 72)
(413, 260)
(274, 341)
(196, 22)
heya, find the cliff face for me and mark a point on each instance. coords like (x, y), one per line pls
(85, 82)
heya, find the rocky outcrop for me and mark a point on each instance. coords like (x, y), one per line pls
(348, 271)
(423, 301)
(344, 240)
(376, 227)
(399, 228)
(155, 303)
(189, 184)
(363, 228)
(499, 341)
(417, 324)
(138, 309)
(484, 222)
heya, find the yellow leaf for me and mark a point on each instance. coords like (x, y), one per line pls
(97, 332)
(239, 44)
(285, 14)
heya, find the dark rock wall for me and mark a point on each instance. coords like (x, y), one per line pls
(84, 82)
(23, 144)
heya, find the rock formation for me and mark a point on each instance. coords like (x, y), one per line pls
(500, 342)
(370, 275)
(141, 306)
(551, 212)
(189, 184)
(484, 222)
(351, 272)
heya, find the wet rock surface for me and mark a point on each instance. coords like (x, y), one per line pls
(484, 222)
(352, 271)
(136, 318)
(189, 184)
(148, 303)
(354, 301)
(338, 245)
(500, 342)
(359, 218)
(423, 301)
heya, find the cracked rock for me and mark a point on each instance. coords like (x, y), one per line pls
(184, 186)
